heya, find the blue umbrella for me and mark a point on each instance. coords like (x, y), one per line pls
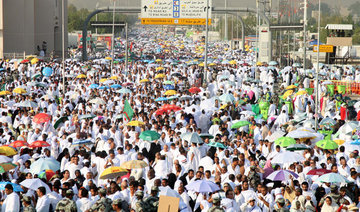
(92, 86)
(47, 71)
(169, 87)
(116, 86)
(43, 164)
(161, 99)
(124, 91)
(2, 69)
(81, 142)
(104, 87)
(16, 187)
(192, 138)
(273, 63)
(202, 186)
(332, 178)
(356, 142)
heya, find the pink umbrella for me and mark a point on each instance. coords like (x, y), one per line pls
(251, 94)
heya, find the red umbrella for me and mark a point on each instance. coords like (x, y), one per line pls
(47, 174)
(36, 144)
(160, 112)
(194, 90)
(318, 172)
(24, 61)
(171, 107)
(41, 118)
(19, 143)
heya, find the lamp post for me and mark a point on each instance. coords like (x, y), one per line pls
(113, 39)
(317, 69)
(63, 42)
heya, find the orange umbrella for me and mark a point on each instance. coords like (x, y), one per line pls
(36, 144)
(41, 118)
(194, 90)
(19, 143)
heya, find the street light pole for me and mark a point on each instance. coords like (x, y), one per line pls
(226, 37)
(317, 70)
(126, 49)
(305, 23)
(113, 39)
(63, 42)
(206, 42)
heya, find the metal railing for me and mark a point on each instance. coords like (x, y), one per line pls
(14, 55)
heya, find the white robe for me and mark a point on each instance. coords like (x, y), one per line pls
(194, 163)
(11, 203)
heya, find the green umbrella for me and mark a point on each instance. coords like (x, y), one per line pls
(297, 147)
(87, 116)
(124, 91)
(327, 144)
(206, 135)
(217, 144)
(168, 83)
(36, 76)
(149, 135)
(285, 141)
(59, 121)
(172, 97)
(240, 124)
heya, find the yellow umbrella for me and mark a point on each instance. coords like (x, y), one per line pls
(81, 76)
(3, 93)
(339, 141)
(114, 77)
(223, 107)
(160, 76)
(30, 57)
(113, 172)
(170, 93)
(233, 62)
(34, 61)
(135, 123)
(134, 164)
(291, 87)
(19, 90)
(212, 64)
(108, 58)
(104, 80)
(259, 64)
(144, 80)
(158, 60)
(201, 64)
(288, 93)
(7, 151)
(301, 92)
(159, 68)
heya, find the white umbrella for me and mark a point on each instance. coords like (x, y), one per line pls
(4, 159)
(165, 191)
(274, 136)
(190, 109)
(108, 82)
(27, 103)
(306, 129)
(247, 113)
(35, 184)
(300, 134)
(348, 127)
(287, 157)
(97, 101)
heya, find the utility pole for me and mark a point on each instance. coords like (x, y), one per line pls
(63, 42)
(305, 23)
(317, 71)
(206, 43)
(113, 40)
(126, 50)
(226, 23)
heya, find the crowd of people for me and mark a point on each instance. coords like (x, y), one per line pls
(240, 137)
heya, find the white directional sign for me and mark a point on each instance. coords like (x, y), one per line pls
(175, 12)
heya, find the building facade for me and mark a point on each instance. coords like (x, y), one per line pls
(29, 25)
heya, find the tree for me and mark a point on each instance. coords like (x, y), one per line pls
(355, 8)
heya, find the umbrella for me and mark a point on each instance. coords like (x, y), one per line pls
(169, 87)
(227, 98)
(171, 107)
(7, 151)
(87, 116)
(37, 144)
(169, 82)
(170, 93)
(4, 167)
(114, 77)
(5, 159)
(144, 80)
(103, 80)
(192, 138)
(108, 58)
(287, 94)
(194, 90)
(287, 157)
(202, 186)
(166, 191)
(339, 141)
(273, 63)
(176, 74)
(19, 91)
(41, 118)
(240, 124)
(291, 87)
(327, 144)
(47, 71)
(16, 187)
(46, 174)
(348, 127)
(60, 121)
(356, 142)
(97, 101)
(44, 164)
(332, 178)
(134, 164)
(149, 135)
(328, 121)
(35, 184)
(81, 142)
(18, 143)
(281, 175)
(81, 76)
(124, 91)
(300, 134)
(161, 99)
(318, 172)
(113, 172)
(3, 93)
(185, 97)
(275, 135)
(247, 113)
(135, 123)
(206, 135)
(296, 65)
(217, 144)
(92, 86)
(27, 103)
(108, 82)
(285, 141)
(296, 147)
(160, 76)
(301, 92)
(116, 86)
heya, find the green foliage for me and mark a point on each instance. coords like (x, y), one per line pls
(355, 8)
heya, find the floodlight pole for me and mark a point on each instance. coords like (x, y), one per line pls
(206, 43)
(317, 70)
